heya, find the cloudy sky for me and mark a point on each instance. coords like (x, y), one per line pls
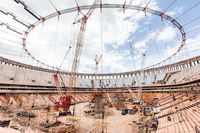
(121, 37)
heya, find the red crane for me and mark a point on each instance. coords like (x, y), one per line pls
(65, 101)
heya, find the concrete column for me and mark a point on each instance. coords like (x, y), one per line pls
(180, 66)
(187, 64)
(136, 74)
(177, 68)
(198, 62)
(194, 63)
(190, 64)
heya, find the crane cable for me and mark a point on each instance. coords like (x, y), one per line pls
(132, 55)
(155, 43)
(64, 58)
(101, 28)
(142, 72)
(53, 5)
(193, 20)
(193, 29)
(188, 10)
(170, 5)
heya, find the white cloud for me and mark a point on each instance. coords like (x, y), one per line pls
(166, 34)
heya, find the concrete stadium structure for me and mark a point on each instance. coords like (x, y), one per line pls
(16, 73)
(37, 97)
(180, 81)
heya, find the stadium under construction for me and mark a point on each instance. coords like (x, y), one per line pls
(99, 66)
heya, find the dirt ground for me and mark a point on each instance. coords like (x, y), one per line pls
(117, 123)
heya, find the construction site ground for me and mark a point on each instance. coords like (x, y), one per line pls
(117, 123)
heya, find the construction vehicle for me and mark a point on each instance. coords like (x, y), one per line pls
(136, 101)
(149, 110)
(65, 101)
(154, 124)
(130, 111)
(124, 111)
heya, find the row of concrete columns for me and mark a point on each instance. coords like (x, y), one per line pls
(164, 69)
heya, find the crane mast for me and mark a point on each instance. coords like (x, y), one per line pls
(79, 44)
(77, 55)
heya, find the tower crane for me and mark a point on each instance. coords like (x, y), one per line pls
(79, 43)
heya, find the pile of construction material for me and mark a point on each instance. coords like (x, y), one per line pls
(4, 123)
(57, 127)
(63, 129)
(46, 126)
(26, 114)
(90, 110)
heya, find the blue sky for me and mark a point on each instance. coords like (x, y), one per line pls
(146, 34)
